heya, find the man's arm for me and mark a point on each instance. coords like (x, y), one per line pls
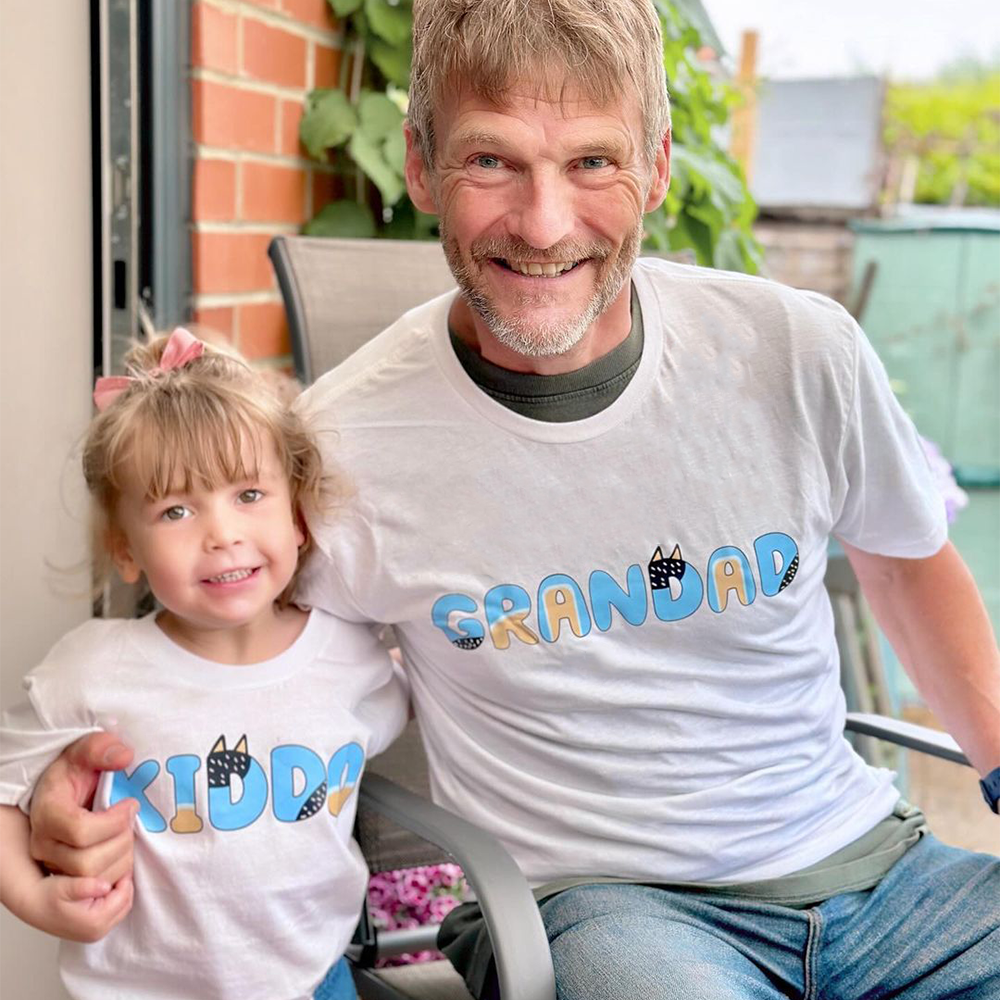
(65, 836)
(932, 613)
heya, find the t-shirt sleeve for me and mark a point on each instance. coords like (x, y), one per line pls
(28, 744)
(885, 498)
(321, 585)
(386, 710)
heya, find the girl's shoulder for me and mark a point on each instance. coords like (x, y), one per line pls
(90, 650)
(79, 669)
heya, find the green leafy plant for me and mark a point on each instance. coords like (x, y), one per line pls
(708, 205)
(357, 130)
(949, 130)
(357, 127)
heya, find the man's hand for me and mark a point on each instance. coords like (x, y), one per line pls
(77, 909)
(65, 836)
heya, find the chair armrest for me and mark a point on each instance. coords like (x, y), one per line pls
(520, 946)
(906, 734)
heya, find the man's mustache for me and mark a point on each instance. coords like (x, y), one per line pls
(510, 248)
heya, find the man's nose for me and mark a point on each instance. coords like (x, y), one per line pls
(544, 213)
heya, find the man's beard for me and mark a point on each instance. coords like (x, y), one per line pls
(519, 333)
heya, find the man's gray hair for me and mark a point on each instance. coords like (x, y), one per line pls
(603, 47)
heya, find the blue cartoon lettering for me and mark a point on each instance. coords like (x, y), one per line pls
(223, 765)
(133, 786)
(343, 773)
(729, 572)
(675, 589)
(287, 762)
(606, 593)
(472, 633)
(182, 768)
(668, 574)
(775, 577)
(561, 599)
(506, 607)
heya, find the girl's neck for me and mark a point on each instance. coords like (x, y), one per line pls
(255, 641)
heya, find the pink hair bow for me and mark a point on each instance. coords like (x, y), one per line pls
(182, 348)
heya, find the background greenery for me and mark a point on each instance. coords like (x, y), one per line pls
(357, 130)
(951, 126)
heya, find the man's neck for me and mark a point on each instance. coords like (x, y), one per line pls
(609, 330)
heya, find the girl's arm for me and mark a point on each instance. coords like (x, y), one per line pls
(77, 909)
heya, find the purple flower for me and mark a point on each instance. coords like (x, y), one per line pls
(448, 875)
(411, 897)
(441, 906)
(415, 885)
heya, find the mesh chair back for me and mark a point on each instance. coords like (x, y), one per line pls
(339, 293)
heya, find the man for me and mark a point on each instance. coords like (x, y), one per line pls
(593, 495)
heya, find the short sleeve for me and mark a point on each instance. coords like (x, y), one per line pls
(386, 711)
(321, 585)
(27, 747)
(885, 498)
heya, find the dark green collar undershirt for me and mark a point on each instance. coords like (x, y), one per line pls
(559, 398)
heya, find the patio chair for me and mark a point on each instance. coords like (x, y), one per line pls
(398, 826)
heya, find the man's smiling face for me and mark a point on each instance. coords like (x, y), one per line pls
(541, 204)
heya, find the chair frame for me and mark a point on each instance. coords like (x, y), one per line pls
(521, 948)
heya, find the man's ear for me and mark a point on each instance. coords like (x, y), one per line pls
(417, 175)
(661, 176)
(121, 556)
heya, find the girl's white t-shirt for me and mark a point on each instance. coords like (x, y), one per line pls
(248, 882)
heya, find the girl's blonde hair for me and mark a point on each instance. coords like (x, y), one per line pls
(188, 428)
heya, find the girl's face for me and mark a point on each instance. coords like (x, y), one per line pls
(217, 558)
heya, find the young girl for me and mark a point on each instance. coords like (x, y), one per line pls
(251, 719)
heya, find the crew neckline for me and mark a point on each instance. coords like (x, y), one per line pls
(501, 383)
(156, 646)
(540, 430)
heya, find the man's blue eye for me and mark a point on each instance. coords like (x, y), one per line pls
(251, 496)
(594, 162)
(487, 162)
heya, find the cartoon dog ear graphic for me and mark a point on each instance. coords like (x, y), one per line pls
(224, 813)
(223, 763)
(663, 570)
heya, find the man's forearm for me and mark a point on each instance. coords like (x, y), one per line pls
(932, 613)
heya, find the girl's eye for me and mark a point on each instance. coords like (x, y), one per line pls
(487, 162)
(594, 162)
(251, 496)
(175, 513)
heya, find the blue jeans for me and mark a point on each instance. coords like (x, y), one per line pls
(338, 983)
(930, 929)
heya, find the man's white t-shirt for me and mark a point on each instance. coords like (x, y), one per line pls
(619, 644)
(247, 880)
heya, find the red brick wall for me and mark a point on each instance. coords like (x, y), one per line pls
(253, 61)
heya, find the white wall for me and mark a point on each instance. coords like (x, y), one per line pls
(45, 351)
